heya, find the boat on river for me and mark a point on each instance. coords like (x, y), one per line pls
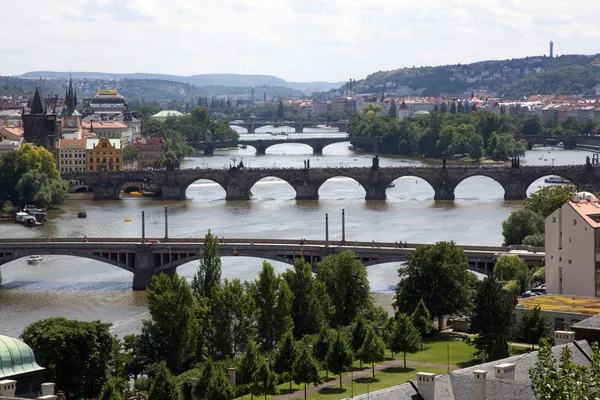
(391, 185)
(33, 260)
(557, 180)
(81, 214)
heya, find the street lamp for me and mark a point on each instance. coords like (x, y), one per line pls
(553, 162)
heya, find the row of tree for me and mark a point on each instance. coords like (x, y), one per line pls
(440, 135)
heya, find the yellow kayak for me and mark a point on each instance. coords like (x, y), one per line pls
(127, 220)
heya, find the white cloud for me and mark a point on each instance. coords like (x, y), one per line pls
(293, 39)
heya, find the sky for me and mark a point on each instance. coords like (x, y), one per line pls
(297, 40)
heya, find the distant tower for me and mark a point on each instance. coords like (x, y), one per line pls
(551, 49)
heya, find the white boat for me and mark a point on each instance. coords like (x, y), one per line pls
(34, 260)
(557, 179)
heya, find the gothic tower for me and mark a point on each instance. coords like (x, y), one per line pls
(39, 126)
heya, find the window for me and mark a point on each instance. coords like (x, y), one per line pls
(554, 219)
(569, 261)
(574, 222)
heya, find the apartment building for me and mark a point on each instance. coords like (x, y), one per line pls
(573, 247)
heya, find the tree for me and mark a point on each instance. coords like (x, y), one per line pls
(249, 363)
(549, 199)
(306, 369)
(219, 387)
(532, 126)
(520, 224)
(453, 108)
(345, 279)
(233, 319)
(110, 390)
(208, 275)
(359, 332)
(508, 268)
(372, 349)
(164, 386)
(273, 300)
(491, 319)
(392, 113)
(308, 310)
(422, 320)
(280, 110)
(404, 337)
(533, 327)
(35, 187)
(130, 153)
(170, 333)
(438, 275)
(88, 346)
(203, 381)
(339, 357)
(321, 347)
(264, 381)
(564, 380)
(286, 356)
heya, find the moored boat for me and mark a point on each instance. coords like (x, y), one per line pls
(557, 179)
(34, 260)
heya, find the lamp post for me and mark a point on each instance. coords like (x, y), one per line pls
(343, 225)
(326, 230)
(166, 223)
(143, 227)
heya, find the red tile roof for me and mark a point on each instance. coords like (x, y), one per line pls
(62, 143)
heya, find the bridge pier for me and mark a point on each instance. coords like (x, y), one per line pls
(251, 129)
(209, 149)
(342, 128)
(515, 191)
(444, 192)
(237, 192)
(176, 192)
(144, 267)
(261, 149)
(375, 192)
(317, 148)
(299, 128)
(307, 191)
(104, 191)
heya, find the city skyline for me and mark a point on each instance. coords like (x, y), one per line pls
(297, 41)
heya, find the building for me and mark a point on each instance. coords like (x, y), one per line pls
(20, 374)
(108, 103)
(563, 312)
(588, 329)
(110, 130)
(71, 155)
(40, 128)
(402, 111)
(149, 149)
(573, 247)
(70, 118)
(163, 115)
(499, 380)
(104, 154)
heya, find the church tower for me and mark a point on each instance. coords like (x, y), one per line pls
(70, 118)
(39, 126)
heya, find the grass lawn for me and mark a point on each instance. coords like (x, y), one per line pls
(435, 351)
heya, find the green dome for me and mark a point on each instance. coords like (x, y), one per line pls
(16, 358)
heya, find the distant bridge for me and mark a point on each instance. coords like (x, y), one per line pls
(317, 143)
(569, 142)
(238, 183)
(145, 260)
(252, 124)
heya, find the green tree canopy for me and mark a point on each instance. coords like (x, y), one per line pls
(508, 268)
(110, 390)
(373, 349)
(438, 275)
(219, 387)
(521, 224)
(264, 381)
(286, 356)
(421, 318)
(491, 319)
(249, 363)
(88, 345)
(339, 357)
(549, 199)
(306, 370)
(405, 337)
(170, 333)
(533, 327)
(208, 275)
(345, 279)
(164, 386)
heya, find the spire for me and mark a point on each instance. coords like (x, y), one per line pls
(70, 100)
(38, 106)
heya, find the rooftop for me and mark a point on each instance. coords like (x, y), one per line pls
(92, 143)
(555, 302)
(64, 143)
(588, 207)
(16, 358)
(591, 323)
(167, 113)
(104, 125)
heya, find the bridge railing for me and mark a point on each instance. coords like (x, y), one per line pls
(232, 241)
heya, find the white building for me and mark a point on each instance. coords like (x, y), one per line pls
(572, 247)
(111, 130)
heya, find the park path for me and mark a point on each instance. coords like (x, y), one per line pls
(299, 394)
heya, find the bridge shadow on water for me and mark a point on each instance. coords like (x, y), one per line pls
(42, 286)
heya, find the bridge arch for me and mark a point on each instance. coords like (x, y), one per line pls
(201, 186)
(114, 259)
(297, 148)
(536, 183)
(273, 181)
(410, 186)
(471, 186)
(338, 182)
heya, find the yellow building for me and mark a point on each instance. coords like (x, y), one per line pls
(104, 154)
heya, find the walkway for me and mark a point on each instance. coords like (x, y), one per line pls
(334, 383)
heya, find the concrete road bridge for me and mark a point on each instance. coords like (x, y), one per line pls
(252, 124)
(261, 146)
(144, 259)
(238, 183)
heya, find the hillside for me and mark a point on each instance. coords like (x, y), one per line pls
(235, 80)
(162, 91)
(568, 74)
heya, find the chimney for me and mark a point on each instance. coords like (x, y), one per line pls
(426, 385)
(47, 388)
(505, 371)
(479, 376)
(8, 388)
(563, 337)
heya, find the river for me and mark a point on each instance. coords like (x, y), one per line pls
(87, 289)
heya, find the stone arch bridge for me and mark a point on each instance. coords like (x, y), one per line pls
(237, 183)
(261, 146)
(144, 260)
(253, 124)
